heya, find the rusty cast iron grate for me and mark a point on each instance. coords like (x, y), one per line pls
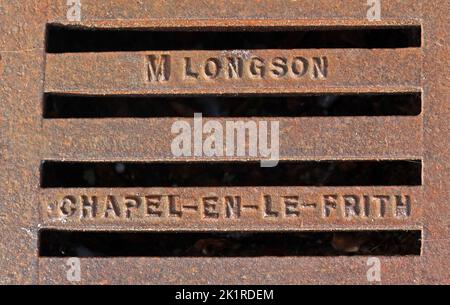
(93, 96)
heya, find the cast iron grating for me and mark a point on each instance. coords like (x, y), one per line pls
(361, 146)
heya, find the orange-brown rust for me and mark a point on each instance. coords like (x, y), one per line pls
(27, 71)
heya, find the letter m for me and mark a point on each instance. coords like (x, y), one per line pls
(158, 68)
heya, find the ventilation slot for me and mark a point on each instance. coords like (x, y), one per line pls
(83, 106)
(220, 174)
(223, 244)
(64, 39)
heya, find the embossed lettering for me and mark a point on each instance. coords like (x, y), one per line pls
(158, 68)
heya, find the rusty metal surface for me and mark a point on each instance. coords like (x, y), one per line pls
(85, 139)
(291, 207)
(26, 138)
(347, 69)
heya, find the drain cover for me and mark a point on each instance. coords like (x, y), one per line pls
(256, 142)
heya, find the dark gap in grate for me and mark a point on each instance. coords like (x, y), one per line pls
(293, 105)
(54, 243)
(226, 174)
(63, 39)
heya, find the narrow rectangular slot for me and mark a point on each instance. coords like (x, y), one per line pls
(294, 105)
(54, 243)
(65, 39)
(61, 174)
